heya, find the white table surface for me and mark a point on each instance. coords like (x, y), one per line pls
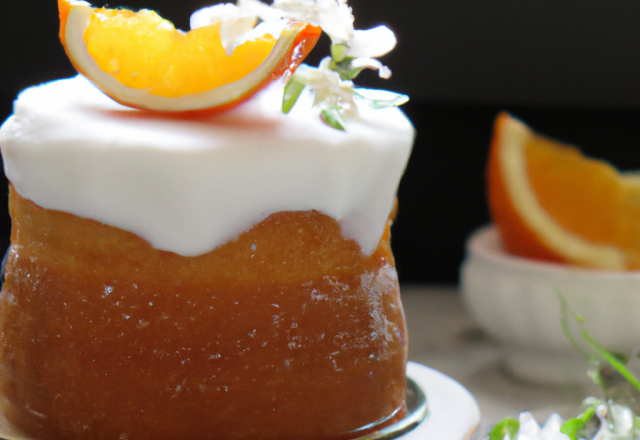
(443, 336)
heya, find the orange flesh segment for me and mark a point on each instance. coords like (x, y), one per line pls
(581, 194)
(143, 51)
(575, 199)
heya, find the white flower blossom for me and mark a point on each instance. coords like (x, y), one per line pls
(235, 23)
(352, 50)
(330, 91)
(333, 16)
(616, 423)
(530, 430)
(371, 43)
(371, 63)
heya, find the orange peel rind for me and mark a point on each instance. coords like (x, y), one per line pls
(292, 46)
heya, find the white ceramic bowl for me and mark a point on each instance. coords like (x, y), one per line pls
(516, 301)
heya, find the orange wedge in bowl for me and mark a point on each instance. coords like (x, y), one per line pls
(551, 203)
(142, 61)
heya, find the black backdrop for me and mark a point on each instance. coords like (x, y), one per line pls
(570, 69)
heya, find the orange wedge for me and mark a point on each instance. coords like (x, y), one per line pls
(142, 61)
(551, 203)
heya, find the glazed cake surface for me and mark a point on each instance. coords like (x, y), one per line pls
(190, 185)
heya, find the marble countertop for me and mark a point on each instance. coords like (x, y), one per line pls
(442, 335)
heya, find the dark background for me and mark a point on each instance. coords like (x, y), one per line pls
(569, 68)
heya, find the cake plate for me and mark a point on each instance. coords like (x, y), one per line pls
(451, 411)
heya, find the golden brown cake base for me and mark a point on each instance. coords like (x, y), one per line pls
(288, 332)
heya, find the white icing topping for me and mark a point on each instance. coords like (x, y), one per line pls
(189, 186)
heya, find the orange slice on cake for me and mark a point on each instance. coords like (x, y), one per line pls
(142, 61)
(551, 203)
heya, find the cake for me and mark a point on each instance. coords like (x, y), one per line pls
(162, 268)
(218, 277)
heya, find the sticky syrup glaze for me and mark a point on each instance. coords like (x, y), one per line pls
(288, 332)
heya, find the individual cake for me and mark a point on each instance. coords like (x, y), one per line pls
(221, 277)
(223, 274)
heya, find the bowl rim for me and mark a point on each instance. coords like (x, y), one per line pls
(485, 243)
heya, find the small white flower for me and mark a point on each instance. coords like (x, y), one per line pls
(603, 432)
(551, 428)
(259, 9)
(353, 50)
(236, 24)
(333, 16)
(370, 63)
(330, 91)
(621, 418)
(371, 43)
(530, 430)
(213, 14)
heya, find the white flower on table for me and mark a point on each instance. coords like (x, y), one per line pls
(530, 430)
(616, 423)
